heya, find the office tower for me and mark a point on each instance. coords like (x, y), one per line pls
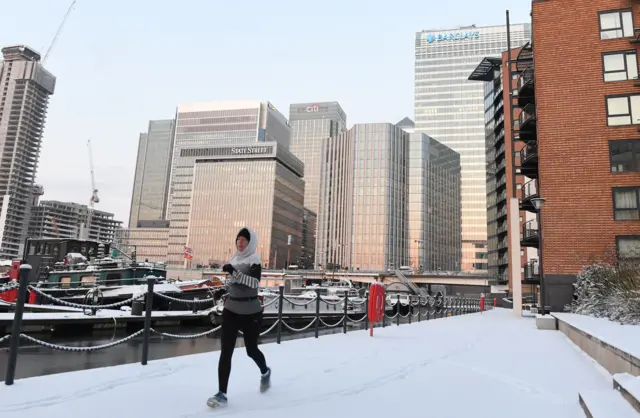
(153, 167)
(54, 219)
(449, 108)
(580, 134)
(202, 128)
(378, 203)
(310, 124)
(25, 86)
(149, 243)
(255, 185)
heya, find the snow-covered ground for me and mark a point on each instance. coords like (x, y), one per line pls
(482, 365)
(623, 337)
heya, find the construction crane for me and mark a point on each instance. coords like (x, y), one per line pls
(55, 38)
(94, 195)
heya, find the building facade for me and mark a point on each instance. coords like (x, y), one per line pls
(308, 243)
(26, 87)
(388, 199)
(149, 244)
(587, 160)
(54, 219)
(255, 185)
(449, 108)
(153, 168)
(200, 128)
(506, 178)
(310, 124)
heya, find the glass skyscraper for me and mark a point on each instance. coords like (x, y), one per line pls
(201, 126)
(153, 166)
(385, 192)
(450, 109)
(310, 124)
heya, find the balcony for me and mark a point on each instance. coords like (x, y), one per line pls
(529, 160)
(502, 197)
(503, 244)
(499, 124)
(532, 273)
(501, 166)
(530, 234)
(526, 90)
(501, 182)
(502, 213)
(500, 151)
(499, 138)
(503, 260)
(502, 229)
(529, 191)
(527, 119)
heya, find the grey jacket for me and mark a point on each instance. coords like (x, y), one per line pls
(242, 289)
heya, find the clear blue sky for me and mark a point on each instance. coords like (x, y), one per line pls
(120, 63)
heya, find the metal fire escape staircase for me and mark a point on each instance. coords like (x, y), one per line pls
(417, 290)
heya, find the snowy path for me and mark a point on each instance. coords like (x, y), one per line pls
(491, 365)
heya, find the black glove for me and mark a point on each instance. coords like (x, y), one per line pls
(228, 268)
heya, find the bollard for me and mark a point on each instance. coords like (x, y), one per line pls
(318, 298)
(147, 320)
(398, 311)
(280, 303)
(366, 310)
(194, 308)
(346, 306)
(16, 328)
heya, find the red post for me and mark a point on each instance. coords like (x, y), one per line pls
(495, 302)
(376, 304)
(481, 303)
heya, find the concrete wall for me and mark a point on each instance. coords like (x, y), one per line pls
(611, 358)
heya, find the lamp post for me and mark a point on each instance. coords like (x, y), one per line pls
(537, 204)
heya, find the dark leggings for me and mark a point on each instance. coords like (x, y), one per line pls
(250, 326)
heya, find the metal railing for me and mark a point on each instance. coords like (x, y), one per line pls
(530, 189)
(525, 77)
(529, 151)
(530, 230)
(528, 112)
(532, 270)
(418, 307)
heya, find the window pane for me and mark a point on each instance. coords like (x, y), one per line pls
(611, 34)
(614, 62)
(619, 76)
(609, 20)
(617, 106)
(626, 199)
(635, 109)
(632, 66)
(629, 247)
(619, 120)
(627, 23)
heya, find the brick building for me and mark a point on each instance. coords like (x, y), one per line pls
(581, 110)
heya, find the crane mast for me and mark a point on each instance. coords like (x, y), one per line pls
(55, 38)
(94, 195)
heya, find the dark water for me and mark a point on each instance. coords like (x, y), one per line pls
(34, 360)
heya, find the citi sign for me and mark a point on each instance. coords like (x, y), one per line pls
(458, 36)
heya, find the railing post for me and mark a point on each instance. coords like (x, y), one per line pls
(16, 328)
(398, 311)
(419, 307)
(280, 303)
(194, 309)
(318, 299)
(410, 309)
(346, 307)
(366, 310)
(147, 320)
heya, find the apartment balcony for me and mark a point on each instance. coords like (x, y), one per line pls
(499, 124)
(526, 90)
(501, 182)
(532, 273)
(503, 260)
(499, 139)
(502, 229)
(530, 234)
(529, 191)
(502, 213)
(503, 244)
(500, 151)
(529, 160)
(528, 124)
(501, 198)
(501, 166)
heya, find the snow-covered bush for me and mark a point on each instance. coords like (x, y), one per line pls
(606, 291)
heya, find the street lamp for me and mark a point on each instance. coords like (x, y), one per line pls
(538, 202)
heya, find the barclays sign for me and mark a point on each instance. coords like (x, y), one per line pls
(458, 36)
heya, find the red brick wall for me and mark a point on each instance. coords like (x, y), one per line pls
(575, 176)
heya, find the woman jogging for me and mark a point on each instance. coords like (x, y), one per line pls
(242, 312)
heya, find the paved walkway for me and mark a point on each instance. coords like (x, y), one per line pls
(482, 365)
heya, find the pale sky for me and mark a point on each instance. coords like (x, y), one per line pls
(121, 63)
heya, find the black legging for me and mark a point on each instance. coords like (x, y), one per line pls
(250, 326)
